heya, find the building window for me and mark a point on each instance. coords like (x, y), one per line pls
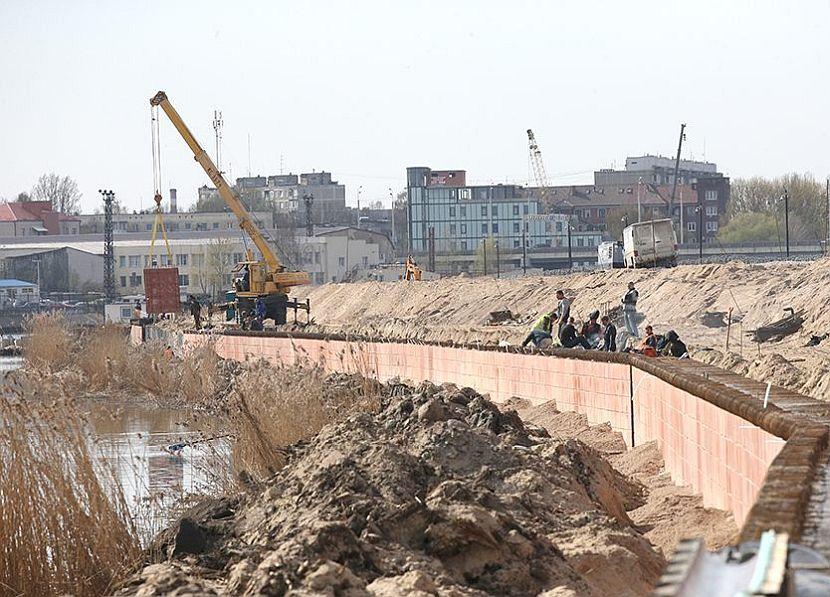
(515, 210)
(495, 228)
(122, 261)
(711, 210)
(515, 243)
(215, 225)
(463, 245)
(484, 210)
(527, 209)
(691, 226)
(495, 210)
(559, 226)
(484, 228)
(123, 281)
(452, 229)
(463, 211)
(464, 193)
(711, 226)
(184, 280)
(341, 261)
(711, 195)
(463, 228)
(135, 260)
(515, 227)
(181, 259)
(452, 212)
(580, 241)
(601, 212)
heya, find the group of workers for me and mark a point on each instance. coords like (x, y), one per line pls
(599, 333)
(254, 321)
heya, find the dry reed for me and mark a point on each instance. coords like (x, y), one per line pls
(274, 407)
(49, 344)
(62, 530)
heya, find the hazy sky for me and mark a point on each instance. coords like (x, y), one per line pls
(364, 89)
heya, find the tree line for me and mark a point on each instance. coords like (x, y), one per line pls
(755, 212)
(60, 191)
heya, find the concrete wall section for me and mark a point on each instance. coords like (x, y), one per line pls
(599, 390)
(720, 455)
(719, 441)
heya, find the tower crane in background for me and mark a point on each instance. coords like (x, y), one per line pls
(265, 279)
(538, 167)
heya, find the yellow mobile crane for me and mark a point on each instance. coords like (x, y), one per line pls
(267, 279)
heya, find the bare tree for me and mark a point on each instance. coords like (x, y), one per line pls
(61, 192)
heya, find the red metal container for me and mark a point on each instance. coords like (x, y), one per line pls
(161, 287)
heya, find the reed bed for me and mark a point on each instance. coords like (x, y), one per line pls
(64, 529)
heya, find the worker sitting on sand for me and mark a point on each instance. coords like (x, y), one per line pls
(650, 339)
(541, 330)
(674, 347)
(569, 337)
(609, 335)
(591, 330)
(256, 324)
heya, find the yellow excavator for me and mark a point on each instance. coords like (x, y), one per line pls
(267, 279)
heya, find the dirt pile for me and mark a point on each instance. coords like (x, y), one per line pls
(438, 493)
(691, 299)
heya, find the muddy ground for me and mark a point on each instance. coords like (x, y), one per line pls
(439, 493)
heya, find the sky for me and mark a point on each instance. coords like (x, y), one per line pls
(364, 89)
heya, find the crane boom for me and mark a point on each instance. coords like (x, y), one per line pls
(225, 191)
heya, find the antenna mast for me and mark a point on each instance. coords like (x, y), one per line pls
(217, 128)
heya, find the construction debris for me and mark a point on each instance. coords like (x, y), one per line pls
(780, 328)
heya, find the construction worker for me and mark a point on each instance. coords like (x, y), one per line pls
(259, 308)
(674, 347)
(609, 335)
(541, 330)
(563, 311)
(629, 303)
(591, 330)
(256, 324)
(650, 339)
(137, 310)
(569, 337)
(195, 311)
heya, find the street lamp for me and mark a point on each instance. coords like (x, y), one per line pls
(786, 198)
(699, 212)
(570, 252)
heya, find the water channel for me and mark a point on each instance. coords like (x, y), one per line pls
(134, 439)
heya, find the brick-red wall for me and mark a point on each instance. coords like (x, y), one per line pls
(718, 454)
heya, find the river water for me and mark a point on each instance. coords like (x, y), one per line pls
(134, 438)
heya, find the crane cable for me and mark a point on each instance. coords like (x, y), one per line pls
(158, 223)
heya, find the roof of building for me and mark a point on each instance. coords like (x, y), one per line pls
(12, 283)
(618, 195)
(29, 211)
(15, 212)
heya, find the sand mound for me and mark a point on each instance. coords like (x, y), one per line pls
(439, 493)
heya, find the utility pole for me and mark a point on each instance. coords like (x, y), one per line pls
(524, 249)
(827, 192)
(787, 220)
(639, 207)
(359, 190)
(109, 247)
(699, 210)
(498, 261)
(484, 244)
(570, 252)
(309, 220)
(681, 215)
(676, 170)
